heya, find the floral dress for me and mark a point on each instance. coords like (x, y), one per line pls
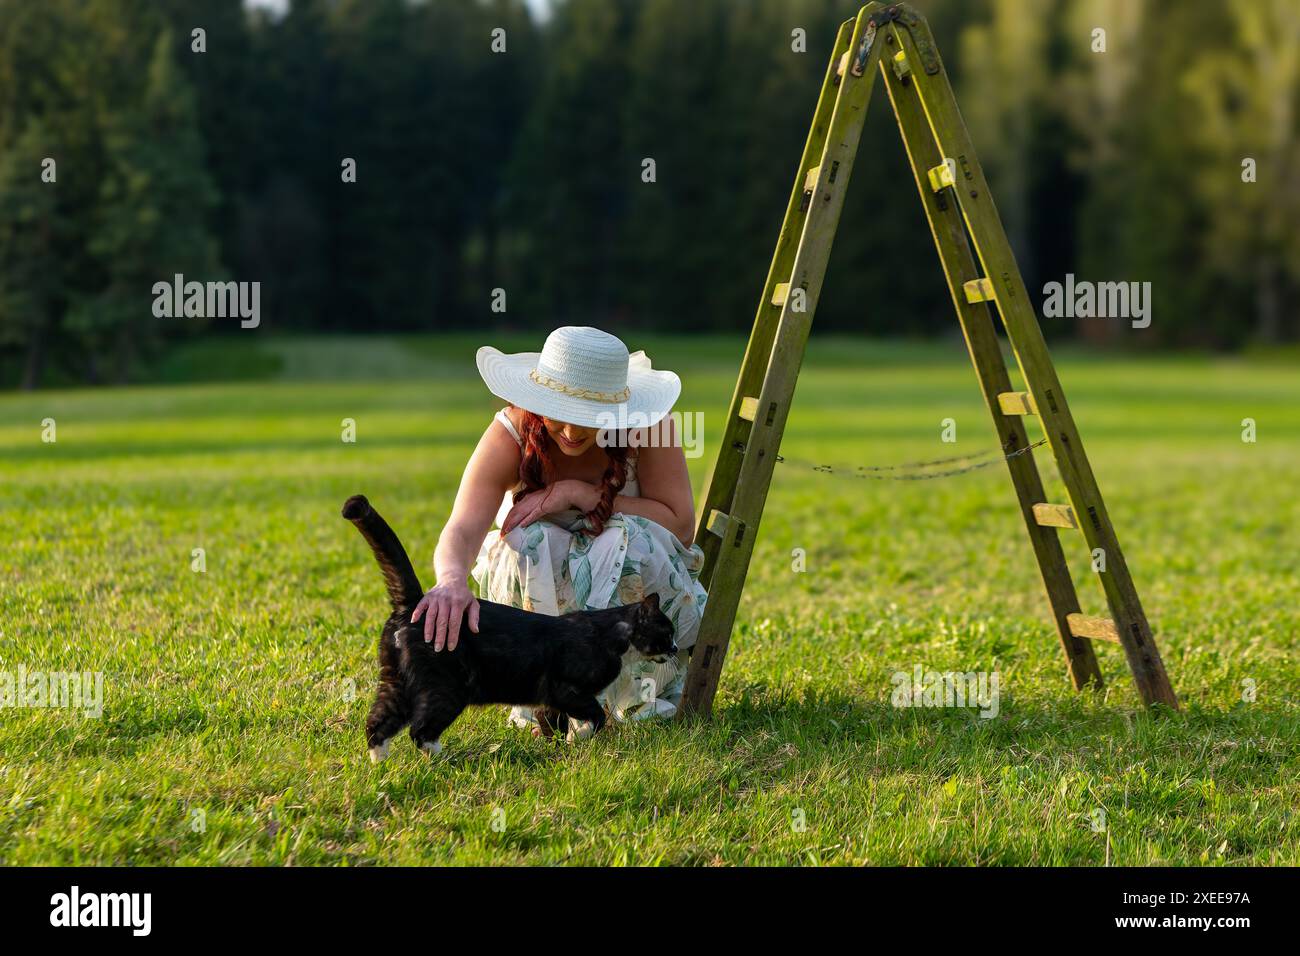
(555, 565)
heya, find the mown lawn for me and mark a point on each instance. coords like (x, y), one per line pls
(230, 734)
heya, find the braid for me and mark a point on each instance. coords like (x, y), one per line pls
(611, 483)
(535, 467)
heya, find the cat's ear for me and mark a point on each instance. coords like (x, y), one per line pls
(650, 603)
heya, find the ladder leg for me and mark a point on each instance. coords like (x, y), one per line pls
(1007, 289)
(986, 355)
(738, 526)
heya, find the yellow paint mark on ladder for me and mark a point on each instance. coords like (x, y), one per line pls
(978, 290)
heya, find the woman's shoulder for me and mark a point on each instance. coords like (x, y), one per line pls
(513, 420)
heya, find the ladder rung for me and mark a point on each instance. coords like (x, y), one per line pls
(941, 177)
(978, 290)
(780, 293)
(718, 522)
(748, 408)
(810, 181)
(1095, 628)
(901, 69)
(1055, 516)
(1017, 403)
(843, 65)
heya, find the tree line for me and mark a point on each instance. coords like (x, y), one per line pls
(624, 163)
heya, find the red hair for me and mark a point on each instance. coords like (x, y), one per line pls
(535, 465)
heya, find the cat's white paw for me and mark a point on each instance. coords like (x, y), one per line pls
(432, 748)
(579, 730)
(380, 752)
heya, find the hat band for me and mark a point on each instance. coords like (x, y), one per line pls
(558, 386)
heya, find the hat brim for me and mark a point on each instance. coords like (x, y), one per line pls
(651, 392)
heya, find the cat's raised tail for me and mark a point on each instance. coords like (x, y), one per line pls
(404, 589)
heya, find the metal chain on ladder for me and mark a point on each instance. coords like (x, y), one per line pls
(913, 471)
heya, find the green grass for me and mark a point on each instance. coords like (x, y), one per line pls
(226, 691)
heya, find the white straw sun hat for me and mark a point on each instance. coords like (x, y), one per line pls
(582, 376)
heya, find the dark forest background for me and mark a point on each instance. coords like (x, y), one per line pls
(479, 170)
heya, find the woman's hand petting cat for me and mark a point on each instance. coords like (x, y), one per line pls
(555, 497)
(441, 609)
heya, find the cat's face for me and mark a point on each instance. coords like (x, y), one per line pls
(652, 632)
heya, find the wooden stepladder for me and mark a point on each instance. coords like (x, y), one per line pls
(896, 41)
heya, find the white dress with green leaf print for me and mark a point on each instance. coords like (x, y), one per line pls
(555, 565)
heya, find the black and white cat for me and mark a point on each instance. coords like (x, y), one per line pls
(517, 657)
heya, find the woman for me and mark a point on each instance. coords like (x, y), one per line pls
(587, 481)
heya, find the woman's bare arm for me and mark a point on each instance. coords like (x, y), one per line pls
(492, 470)
(665, 485)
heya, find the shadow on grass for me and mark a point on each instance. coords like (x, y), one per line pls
(1249, 745)
(828, 717)
(761, 738)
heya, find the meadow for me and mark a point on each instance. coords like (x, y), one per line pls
(234, 696)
